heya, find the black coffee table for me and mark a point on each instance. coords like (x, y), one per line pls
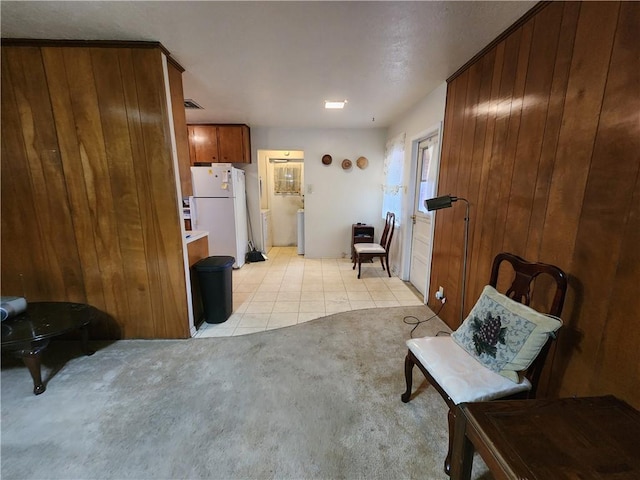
(28, 334)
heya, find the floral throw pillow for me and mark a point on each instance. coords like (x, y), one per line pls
(504, 335)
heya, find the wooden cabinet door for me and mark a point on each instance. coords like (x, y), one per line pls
(219, 143)
(230, 144)
(203, 143)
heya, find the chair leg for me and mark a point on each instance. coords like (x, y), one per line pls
(451, 417)
(382, 262)
(355, 260)
(408, 377)
(359, 265)
(388, 270)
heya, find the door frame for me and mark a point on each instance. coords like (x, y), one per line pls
(262, 185)
(411, 199)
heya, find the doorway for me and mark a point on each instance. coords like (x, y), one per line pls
(422, 233)
(281, 177)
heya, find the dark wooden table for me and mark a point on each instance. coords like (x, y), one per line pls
(28, 334)
(572, 438)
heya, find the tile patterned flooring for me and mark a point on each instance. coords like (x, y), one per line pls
(288, 289)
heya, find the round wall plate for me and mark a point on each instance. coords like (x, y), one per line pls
(362, 163)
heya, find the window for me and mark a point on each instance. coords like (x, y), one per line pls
(427, 150)
(286, 179)
(393, 173)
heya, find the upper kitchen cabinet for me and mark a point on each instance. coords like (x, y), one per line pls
(219, 144)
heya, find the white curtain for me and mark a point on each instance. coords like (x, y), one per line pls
(393, 172)
(286, 178)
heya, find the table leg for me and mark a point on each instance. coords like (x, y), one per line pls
(84, 331)
(32, 361)
(462, 456)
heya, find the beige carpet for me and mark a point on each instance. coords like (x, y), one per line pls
(319, 400)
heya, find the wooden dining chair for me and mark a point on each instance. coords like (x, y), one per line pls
(499, 350)
(368, 251)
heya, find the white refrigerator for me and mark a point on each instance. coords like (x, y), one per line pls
(219, 206)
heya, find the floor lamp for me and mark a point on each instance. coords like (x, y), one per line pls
(445, 202)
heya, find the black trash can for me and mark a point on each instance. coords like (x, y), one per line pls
(214, 277)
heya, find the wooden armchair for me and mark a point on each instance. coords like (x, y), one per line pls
(369, 251)
(457, 373)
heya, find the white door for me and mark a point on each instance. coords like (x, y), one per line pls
(422, 237)
(285, 199)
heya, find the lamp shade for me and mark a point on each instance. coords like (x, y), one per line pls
(439, 202)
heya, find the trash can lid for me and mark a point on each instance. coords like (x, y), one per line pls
(214, 264)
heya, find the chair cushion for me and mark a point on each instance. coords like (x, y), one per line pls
(368, 248)
(504, 335)
(459, 374)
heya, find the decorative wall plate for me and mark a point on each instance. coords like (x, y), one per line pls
(326, 159)
(346, 164)
(362, 163)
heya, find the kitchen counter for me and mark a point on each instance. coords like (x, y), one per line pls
(193, 235)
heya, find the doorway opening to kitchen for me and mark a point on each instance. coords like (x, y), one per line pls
(281, 177)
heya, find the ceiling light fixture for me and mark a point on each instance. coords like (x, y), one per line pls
(332, 104)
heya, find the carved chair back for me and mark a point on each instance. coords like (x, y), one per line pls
(521, 289)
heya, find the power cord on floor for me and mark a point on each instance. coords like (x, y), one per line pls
(419, 322)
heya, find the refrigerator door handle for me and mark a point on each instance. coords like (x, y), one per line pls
(194, 213)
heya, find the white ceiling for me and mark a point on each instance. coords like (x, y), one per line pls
(274, 63)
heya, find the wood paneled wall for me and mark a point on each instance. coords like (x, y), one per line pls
(89, 205)
(180, 128)
(542, 136)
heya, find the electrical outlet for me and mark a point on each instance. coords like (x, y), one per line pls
(440, 293)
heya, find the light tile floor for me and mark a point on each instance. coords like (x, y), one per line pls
(288, 289)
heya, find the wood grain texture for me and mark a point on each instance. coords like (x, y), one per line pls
(122, 180)
(568, 12)
(550, 112)
(613, 368)
(180, 127)
(203, 143)
(166, 206)
(230, 144)
(91, 203)
(197, 250)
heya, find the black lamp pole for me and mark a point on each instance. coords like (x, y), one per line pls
(445, 202)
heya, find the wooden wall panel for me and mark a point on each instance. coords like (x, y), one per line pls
(124, 186)
(71, 152)
(478, 224)
(605, 211)
(166, 206)
(558, 136)
(86, 141)
(33, 186)
(613, 368)
(535, 100)
(180, 126)
(568, 12)
(136, 121)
